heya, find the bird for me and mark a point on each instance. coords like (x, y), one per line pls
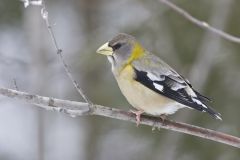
(148, 83)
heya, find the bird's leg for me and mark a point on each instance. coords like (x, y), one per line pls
(163, 117)
(138, 115)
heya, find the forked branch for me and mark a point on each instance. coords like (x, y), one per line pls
(74, 108)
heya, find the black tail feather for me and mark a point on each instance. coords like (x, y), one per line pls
(202, 97)
(213, 113)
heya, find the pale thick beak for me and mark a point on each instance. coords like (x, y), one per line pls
(105, 50)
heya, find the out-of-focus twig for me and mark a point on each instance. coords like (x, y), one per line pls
(44, 13)
(205, 61)
(80, 108)
(200, 23)
(15, 84)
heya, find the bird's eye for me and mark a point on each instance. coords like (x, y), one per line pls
(116, 46)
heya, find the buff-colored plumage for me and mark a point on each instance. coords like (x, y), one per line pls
(142, 98)
(148, 83)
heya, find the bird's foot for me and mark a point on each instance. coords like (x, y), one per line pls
(163, 117)
(138, 115)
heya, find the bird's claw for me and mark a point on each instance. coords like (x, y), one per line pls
(138, 116)
(163, 117)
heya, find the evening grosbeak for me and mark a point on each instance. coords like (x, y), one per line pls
(149, 84)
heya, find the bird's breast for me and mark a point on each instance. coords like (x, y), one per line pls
(141, 97)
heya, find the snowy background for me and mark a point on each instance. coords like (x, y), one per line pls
(27, 55)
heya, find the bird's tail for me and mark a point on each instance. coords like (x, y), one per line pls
(202, 97)
(202, 102)
(206, 108)
(213, 113)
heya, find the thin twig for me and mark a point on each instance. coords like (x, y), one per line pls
(59, 51)
(15, 84)
(208, 50)
(80, 108)
(200, 23)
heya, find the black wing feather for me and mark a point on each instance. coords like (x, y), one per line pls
(202, 97)
(199, 95)
(180, 95)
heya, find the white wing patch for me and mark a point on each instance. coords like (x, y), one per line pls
(177, 86)
(158, 87)
(190, 92)
(154, 77)
(199, 102)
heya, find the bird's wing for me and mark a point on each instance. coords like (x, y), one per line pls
(161, 78)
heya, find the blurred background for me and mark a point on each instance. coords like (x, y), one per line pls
(81, 26)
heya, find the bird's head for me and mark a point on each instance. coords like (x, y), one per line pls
(121, 50)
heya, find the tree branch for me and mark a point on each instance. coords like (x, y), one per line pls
(74, 108)
(59, 52)
(200, 23)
